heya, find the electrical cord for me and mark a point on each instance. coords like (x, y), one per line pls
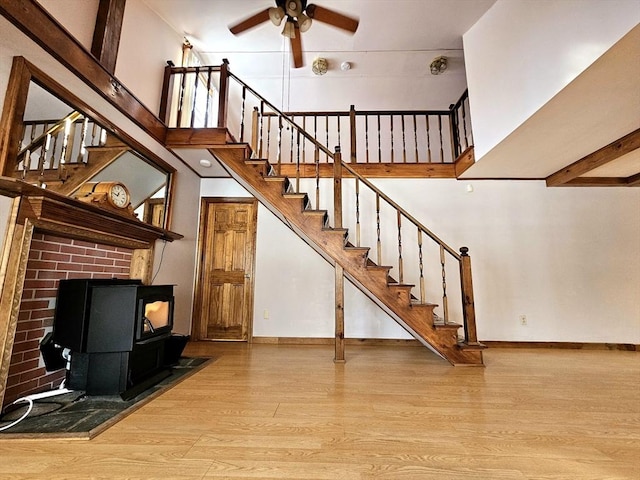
(15, 422)
(160, 262)
(29, 399)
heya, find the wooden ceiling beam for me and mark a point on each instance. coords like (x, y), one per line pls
(106, 35)
(596, 182)
(600, 157)
(634, 180)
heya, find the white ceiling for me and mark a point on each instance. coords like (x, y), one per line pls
(390, 52)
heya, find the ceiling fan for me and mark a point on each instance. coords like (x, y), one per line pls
(298, 16)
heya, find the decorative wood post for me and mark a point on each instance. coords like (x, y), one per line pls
(337, 223)
(167, 91)
(453, 126)
(337, 189)
(223, 98)
(339, 355)
(352, 123)
(469, 310)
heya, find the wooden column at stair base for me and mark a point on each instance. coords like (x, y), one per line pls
(339, 356)
(14, 267)
(471, 335)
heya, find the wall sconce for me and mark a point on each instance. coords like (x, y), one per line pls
(320, 66)
(438, 65)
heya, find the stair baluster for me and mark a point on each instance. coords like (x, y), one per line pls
(445, 300)
(415, 138)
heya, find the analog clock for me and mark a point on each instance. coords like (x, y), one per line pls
(114, 195)
(118, 195)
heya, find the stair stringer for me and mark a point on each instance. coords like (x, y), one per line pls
(309, 225)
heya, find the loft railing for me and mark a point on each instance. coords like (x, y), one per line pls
(400, 240)
(50, 146)
(191, 99)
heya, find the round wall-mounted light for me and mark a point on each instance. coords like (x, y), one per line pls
(344, 66)
(205, 163)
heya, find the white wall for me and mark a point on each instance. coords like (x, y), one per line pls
(77, 16)
(568, 259)
(521, 53)
(146, 43)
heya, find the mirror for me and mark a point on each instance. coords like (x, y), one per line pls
(65, 149)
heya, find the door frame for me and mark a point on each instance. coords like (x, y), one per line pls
(197, 291)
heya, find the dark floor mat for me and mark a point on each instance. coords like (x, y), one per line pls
(75, 414)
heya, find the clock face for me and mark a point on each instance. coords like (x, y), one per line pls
(119, 196)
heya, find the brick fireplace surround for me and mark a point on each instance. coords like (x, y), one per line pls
(52, 258)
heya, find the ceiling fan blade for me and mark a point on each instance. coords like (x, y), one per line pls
(332, 17)
(296, 48)
(250, 22)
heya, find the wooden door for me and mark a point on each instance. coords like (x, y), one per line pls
(224, 302)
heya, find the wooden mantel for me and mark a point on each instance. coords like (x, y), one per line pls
(55, 213)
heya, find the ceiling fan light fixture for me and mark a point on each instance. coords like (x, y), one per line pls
(304, 22)
(294, 8)
(289, 29)
(276, 14)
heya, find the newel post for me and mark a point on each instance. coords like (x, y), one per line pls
(352, 124)
(469, 310)
(455, 139)
(223, 94)
(167, 90)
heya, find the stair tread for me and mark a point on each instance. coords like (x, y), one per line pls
(471, 346)
(417, 303)
(446, 325)
(294, 195)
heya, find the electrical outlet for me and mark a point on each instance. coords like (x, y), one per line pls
(523, 320)
(265, 314)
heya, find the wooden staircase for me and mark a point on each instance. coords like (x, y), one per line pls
(312, 225)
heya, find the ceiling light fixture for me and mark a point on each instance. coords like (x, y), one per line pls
(438, 65)
(344, 66)
(276, 14)
(289, 29)
(205, 163)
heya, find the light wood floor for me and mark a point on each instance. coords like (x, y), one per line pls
(284, 412)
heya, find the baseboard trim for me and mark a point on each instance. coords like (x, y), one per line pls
(331, 341)
(629, 347)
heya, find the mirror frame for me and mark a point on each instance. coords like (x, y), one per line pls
(12, 126)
